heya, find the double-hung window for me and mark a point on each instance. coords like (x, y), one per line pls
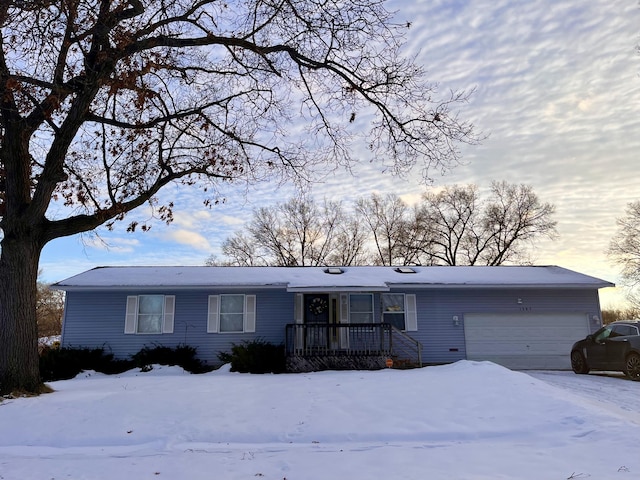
(399, 310)
(149, 314)
(231, 313)
(361, 308)
(393, 309)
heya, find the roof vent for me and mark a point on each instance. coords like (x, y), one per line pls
(405, 270)
(334, 271)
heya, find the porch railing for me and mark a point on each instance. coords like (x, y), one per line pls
(406, 347)
(323, 339)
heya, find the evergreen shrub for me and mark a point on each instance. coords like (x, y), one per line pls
(182, 355)
(256, 356)
(65, 363)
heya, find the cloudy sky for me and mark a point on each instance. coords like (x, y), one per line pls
(557, 91)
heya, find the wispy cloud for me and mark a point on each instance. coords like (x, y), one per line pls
(190, 238)
(117, 245)
(191, 219)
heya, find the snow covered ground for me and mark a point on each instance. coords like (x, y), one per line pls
(467, 420)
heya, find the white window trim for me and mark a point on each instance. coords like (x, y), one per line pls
(403, 311)
(248, 317)
(131, 316)
(410, 311)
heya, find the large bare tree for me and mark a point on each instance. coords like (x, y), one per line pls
(298, 232)
(624, 249)
(449, 219)
(462, 228)
(386, 217)
(513, 218)
(104, 102)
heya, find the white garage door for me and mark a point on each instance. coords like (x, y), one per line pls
(524, 340)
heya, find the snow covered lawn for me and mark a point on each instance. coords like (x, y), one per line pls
(467, 420)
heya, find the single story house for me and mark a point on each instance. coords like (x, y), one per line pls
(523, 317)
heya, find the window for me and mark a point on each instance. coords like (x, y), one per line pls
(361, 308)
(393, 309)
(624, 330)
(602, 334)
(149, 314)
(231, 313)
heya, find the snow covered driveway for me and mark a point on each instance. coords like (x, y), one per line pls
(610, 390)
(468, 420)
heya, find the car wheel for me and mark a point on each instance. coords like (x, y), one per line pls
(579, 363)
(632, 366)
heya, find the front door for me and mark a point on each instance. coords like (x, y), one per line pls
(317, 316)
(316, 308)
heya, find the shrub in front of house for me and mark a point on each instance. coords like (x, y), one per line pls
(256, 356)
(65, 363)
(182, 355)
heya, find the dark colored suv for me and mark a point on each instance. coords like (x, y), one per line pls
(614, 347)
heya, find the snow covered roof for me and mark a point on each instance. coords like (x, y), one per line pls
(299, 279)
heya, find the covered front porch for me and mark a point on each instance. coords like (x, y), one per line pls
(358, 346)
(351, 329)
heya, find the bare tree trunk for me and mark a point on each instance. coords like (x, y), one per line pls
(19, 369)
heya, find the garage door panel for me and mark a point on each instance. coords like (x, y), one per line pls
(524, 340)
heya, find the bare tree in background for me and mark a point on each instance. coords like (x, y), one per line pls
(448, 220)
(49, 310)
(513, 217)
(452, 226)
(239, 251)
(624, 249)
(629, 312)
(104, 103)
(387, 220)
(349, 241)
(465, 229)
(297, 233)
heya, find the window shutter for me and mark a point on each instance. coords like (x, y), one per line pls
(169, 312)
(132, 314)
(299, 313)
(299, 318)
(250, 313)
(344, 308)
(411, 316)
(344, 318)
(213, 318)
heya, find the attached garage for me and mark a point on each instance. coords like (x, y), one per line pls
(524, 340)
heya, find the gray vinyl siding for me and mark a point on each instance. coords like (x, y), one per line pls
(436, 308)
(96, 319)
